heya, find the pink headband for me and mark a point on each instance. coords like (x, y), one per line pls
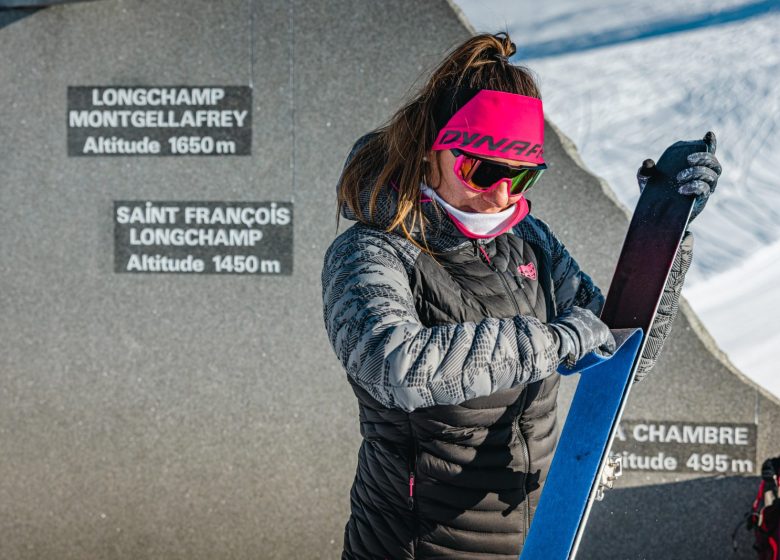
(497, 124)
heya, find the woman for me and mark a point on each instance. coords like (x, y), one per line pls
(451, 306)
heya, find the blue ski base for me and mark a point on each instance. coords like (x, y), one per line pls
(574, 473)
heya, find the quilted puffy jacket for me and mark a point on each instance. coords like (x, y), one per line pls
(454, 371)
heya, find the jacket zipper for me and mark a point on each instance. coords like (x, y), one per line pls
(525, 295)
(527, 458)
(486, 259)
(411, 502)
(412, 467)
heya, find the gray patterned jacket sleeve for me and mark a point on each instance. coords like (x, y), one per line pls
(667, 307)
(375, 331)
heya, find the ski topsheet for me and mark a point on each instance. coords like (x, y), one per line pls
(582, 456)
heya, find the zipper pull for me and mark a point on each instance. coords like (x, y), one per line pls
(411, 490)
(485, 258)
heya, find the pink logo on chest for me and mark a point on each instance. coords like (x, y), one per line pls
(527, 270)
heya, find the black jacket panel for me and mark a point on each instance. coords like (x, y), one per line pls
(477, 466)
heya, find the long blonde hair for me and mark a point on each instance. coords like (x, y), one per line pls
(399, 148)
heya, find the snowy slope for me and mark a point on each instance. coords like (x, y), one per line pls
(626, 79)
(733, 306)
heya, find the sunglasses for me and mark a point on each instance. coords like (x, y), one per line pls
(483, 175)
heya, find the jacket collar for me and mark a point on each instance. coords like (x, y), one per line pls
(441, 234)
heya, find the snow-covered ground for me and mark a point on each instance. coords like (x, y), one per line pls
(625, 79)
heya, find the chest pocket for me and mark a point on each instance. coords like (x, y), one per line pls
(504, 278)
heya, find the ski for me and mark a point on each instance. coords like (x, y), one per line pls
(582, 468)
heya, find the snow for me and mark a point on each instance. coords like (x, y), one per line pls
(733, 306)
(625, 79)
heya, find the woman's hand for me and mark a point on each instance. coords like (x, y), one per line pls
(699, 179)
(578, 332)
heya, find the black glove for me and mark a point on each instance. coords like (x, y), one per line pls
(699, 180)
(578, 331)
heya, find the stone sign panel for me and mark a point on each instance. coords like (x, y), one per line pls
(203, 237)
(159, 121)
(689, 447)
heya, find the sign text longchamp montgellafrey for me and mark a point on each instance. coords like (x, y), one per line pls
(203, 237)
(159, 121)
(703, 448)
